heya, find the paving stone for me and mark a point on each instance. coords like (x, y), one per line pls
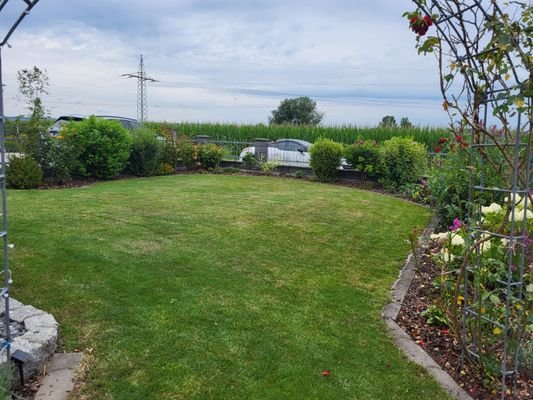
(40, 321)
(59, 381)
(21, 313)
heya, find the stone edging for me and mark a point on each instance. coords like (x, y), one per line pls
(390, 312)
(39, 340)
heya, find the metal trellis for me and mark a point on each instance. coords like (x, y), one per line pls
(6, 343)
(456, 18)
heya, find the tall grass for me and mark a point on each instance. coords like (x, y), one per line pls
(342, 133)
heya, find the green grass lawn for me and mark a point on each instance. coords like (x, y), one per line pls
(220, 287)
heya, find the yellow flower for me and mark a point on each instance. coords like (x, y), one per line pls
(497, 331)
(460, 300)
(59, 137)
(519, 102)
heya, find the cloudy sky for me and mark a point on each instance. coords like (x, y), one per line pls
(225, 60)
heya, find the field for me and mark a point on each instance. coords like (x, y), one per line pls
(344, 134)
(220, 287)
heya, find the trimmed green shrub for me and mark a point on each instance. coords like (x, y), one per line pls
(23, 173)
(210, 155)
(102, 146)
(363, 156)
(249, 161)
(146, 152)
(401, 161)
(326, 157)
(187, 153)
(169, 157)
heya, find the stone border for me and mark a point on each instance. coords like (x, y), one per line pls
(39, 340)
(390, 312)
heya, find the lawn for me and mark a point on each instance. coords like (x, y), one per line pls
(220, 287)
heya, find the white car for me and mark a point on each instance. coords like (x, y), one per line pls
(286, 152)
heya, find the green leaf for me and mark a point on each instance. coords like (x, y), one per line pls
(494, 299)
(448, 77)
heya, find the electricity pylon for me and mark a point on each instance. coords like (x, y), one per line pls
(142, 101)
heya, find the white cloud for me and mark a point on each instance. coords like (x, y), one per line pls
(228, 60)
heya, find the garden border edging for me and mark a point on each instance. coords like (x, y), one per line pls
(390, 312)
(39, 341)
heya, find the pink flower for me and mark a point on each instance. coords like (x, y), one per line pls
(456, 225)
(326, 373)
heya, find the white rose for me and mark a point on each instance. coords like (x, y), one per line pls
(457, 240)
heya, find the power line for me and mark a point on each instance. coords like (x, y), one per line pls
(142, 101)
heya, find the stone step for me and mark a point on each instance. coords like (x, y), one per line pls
(59, 379)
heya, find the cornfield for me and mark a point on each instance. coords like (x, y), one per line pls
(343, 134)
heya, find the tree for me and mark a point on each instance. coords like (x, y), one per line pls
(388, 121)
(298, 111)
(405, 123)
(33, 84)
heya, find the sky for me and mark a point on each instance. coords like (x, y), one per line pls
(224, 61)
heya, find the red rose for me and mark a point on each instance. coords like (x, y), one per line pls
(459, 138)
(438, 149)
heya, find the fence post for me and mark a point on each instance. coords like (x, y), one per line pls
(261, 149)
(202, 139)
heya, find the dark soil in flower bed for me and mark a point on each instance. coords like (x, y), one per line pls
(438, 342)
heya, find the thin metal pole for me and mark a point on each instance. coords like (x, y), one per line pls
(5, 291)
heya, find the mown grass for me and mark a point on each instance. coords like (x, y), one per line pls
(220, 287)
(347, 134)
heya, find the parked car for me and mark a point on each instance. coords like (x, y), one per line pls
(287, 153)
(128, 123)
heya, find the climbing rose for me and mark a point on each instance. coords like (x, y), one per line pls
(457, 223)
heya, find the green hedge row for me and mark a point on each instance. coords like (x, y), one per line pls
(103, 149)
(397, 162)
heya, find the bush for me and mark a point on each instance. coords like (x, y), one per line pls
(102, 147)
(268, 167)
(169, 154)
(210, 155)
(401, 161)
(326, 157)
(23, 173)
(363, 156)
(448, 183)
(145, 154)
(166, 169)
(187, 152)
(249, 161)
